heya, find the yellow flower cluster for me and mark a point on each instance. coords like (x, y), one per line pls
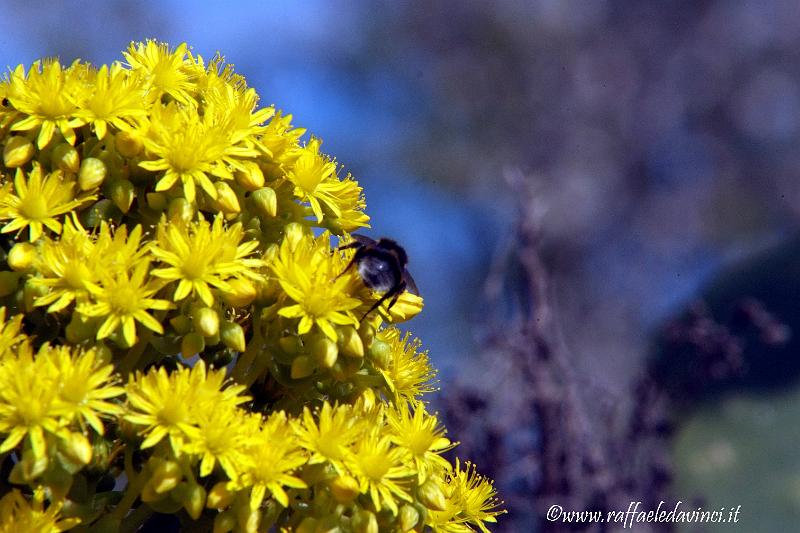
(180, 332)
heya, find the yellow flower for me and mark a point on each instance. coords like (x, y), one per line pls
(84, 386)
(330, 439)
(203, 255)
(380, 470)
(409, 373)
(18, 515)
(37, 201)
(273, 455)
(47, 96)
(421, 435)
(191, 148)
(307, 271)
(10, 335)
(124, 299)
(223, 432)
(166, 71)
(471, 500)
(115, 98)
(173, 404)
(28, 394)
(316, 182)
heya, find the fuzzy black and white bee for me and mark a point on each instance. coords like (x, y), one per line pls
(381, 265)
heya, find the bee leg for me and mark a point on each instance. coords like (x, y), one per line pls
(356, 257)
(394, 294)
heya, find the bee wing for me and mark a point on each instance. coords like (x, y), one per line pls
(411, 286)
(357, 241)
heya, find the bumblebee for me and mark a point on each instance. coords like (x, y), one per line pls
(381, 265)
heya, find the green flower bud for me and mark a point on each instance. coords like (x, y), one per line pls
(232, 335)
(9, 281)
(431, 496)
(206, 321)
(80, 329)
(180, 209)
(409, 517)
(265, 201)
(345, 367)
(308, 525)
(344, 489)
(329, 524)
(224, 522)
(293, 233)
(367, 333)
(92, 173)
(226, 198)
(302, 366)
(21, 256)
(128, 144)
(251, 178)
(193, 498)
(220, 496)
(364, 521)
(325, 352)
(122, 193)
(181, 324)
(166, 477)
(65, 157)
(157, 201)
(102, 210)
(17, 151)
(192, 343)
(77, 448)
(290, 344)
(350, 342)
(380, 353)
(242, 293)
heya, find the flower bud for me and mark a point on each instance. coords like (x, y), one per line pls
(181, 324)
(102, 210)
(265, 201)
(406, 307)
(226, 198)
(380, 353)
(232, 336)
(206, 321)
(21, 256)
(193, 497)
(122, 193)
(77, 448)
(180, 210)
(302, 367)
(431, 496)
(192, 343)
(251, 178)
(220, 496)
(242, 292)
(166, 477)
(224, 522)
(80, 329)
(325, 352)
(408, 518)
(157, 201)
(308, 525)
(367, 333)
(9, 281)
(92, 173)
(344, 489)
(128, 144)
(17, 151)
(351, 342)
(65, 157)
(364, 521)
(289, 344)
(329, 524)
(293, 234)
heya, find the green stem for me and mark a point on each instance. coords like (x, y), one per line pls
(135, 485)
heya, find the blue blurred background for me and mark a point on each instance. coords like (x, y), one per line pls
(661, 139)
